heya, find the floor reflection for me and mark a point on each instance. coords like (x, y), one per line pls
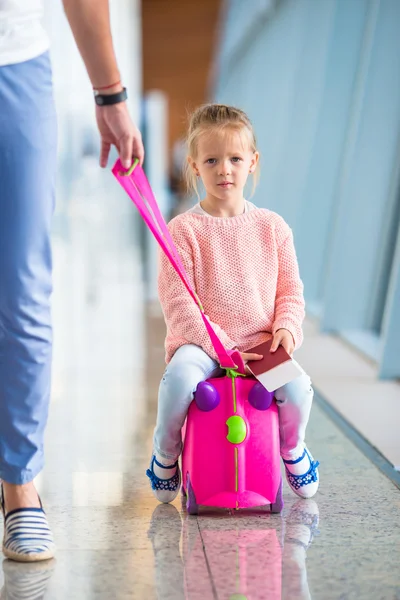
(301, 527)
(26, 581)
(234, 557)
(165, 533)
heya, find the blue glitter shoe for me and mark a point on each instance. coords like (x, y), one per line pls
(165, 490)
(306, 484)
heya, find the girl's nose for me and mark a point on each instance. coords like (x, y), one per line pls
(225, 167)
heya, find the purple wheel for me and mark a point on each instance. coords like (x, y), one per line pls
(259, 397)
(277, 506)
(206, 396)
(191, 504)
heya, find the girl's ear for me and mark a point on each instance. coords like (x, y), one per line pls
(254, 161)
(193, 165)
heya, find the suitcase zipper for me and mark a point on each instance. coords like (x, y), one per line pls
(232, 374)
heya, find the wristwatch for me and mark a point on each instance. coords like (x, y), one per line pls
(109, 99)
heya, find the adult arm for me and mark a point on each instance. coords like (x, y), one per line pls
(90, 24)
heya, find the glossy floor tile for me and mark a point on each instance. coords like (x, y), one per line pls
(114, 541)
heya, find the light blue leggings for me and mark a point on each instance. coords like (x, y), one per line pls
(27, 174)
(190, 365)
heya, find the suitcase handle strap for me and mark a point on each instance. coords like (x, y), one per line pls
(136, 185)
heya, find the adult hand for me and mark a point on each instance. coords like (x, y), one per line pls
(117, 129)
(283, 337)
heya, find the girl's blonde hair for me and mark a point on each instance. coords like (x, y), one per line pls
(216, 117)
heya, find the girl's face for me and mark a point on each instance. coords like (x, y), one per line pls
(224, 161)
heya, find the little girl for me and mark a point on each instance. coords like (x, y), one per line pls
(241, 262)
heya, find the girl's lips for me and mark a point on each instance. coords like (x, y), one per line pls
(225, 184)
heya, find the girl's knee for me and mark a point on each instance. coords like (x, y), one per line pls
(176, 393)
(188, 367)
(298, 391)
(181, 380)
(176, 377)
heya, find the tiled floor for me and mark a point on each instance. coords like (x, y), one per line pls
(114, 541)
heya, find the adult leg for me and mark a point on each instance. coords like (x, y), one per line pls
(27, 179)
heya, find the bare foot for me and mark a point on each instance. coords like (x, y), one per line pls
(20, 496)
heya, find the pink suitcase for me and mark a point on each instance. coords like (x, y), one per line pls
(231, 454)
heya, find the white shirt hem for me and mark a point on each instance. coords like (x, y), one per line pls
(15, 57)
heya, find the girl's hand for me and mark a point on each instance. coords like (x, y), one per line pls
(246, 357)
(283, 337)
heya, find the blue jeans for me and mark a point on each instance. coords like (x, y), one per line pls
(190, 365)
(27, 178)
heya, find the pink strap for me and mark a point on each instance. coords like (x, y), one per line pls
(138, 189)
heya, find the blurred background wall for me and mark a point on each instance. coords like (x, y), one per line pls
(179, 45)
(321, 82)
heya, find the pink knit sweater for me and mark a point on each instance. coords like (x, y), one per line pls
(245, 272)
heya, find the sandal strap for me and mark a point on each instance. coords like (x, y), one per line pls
(297, 481)
(157, 483)
(294, 462)
(163, 466)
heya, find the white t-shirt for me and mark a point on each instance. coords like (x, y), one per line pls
(22, 35)
(198, 210)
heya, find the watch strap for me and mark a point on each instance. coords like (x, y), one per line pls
(109, 99)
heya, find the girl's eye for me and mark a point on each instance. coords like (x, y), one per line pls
(211, 161)
(236, 159)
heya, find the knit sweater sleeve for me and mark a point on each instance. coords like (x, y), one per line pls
(289, 299)
(182, 316)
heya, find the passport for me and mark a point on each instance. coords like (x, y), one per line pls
(275, 369)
